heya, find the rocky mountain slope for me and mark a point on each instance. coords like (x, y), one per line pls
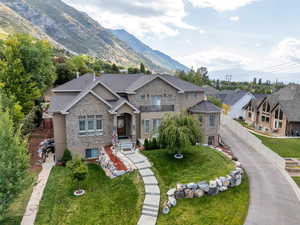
(155, 56)
(11, 22)
(77, 31)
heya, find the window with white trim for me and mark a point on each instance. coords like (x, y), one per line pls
(156, 124)
(212, 120)
(146, 126)
(91, 125)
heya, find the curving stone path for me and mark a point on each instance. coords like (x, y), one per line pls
(152, 193)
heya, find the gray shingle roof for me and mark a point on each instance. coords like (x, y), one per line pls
(210, 91)
(230, 97)
(125, 82)
(116, 82)
(289, 98)
(204, 107)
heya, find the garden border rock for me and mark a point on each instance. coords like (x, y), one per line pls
(202, 188)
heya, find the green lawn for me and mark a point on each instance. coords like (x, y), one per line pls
(106, 201)
(228, 208)
(285, 147)
(297, 180)
(16, 210)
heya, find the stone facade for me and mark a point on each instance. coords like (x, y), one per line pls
(112, 107)
(211, 132)
(89, 105)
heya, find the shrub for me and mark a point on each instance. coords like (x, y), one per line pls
(78, 169)
(146, 144)
(154, 144)
(179, 132)
(67, 156)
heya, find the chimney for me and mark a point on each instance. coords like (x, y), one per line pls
(205, 98)
(94, 76)
(77, 74)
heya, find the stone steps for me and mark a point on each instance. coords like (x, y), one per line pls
(150, 207)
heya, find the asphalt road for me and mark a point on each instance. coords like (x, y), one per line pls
(272, 199)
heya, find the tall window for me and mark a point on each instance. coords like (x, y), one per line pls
(156, 100)
(91, 124)
(156, 124)
(147, 126)
(212, 120)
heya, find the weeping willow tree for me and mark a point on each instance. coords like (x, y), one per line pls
(178, 132)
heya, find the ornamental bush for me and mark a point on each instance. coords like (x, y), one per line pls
(179, 131)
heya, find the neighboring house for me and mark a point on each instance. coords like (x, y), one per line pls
(251, 108)
(210, 91)
(89, 112)
(278, 113)
(209, 116)
(236, 100)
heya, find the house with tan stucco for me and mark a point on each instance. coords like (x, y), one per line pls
(90, 112)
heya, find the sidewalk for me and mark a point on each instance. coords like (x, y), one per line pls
(37, 193)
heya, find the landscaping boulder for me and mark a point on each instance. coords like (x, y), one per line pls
(223, 188)
(188, 193)
(179, 194)
(219, 182)
(213, 191)
(198, 193)
(171, 192)
(172, 201)
(192, 186)
(212, 184)
(180, 187)
(165, 209)
(238, 180)
(203, 185)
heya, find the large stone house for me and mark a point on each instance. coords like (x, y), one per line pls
(90, 112)
(278, 113)
(236, 100)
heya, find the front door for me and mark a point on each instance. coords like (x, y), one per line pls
(121, 126)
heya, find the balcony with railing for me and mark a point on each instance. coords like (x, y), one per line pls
(157, 108)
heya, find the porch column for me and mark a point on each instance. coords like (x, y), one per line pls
(115, 125)
(133, 127)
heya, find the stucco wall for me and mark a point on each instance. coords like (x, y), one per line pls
(59, 129)
(89, 105)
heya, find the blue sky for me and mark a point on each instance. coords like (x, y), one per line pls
(261, 35)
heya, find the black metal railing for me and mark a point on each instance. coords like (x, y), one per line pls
(157, 108)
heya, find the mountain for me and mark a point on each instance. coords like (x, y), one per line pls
(155, 56)
(11, 22)
(239, 74)
(77, 31)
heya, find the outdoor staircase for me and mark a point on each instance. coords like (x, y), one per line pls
(292, 165)
(126, 145)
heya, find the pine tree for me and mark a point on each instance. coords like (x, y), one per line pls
(142, 68)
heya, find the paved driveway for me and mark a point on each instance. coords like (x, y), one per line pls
(272, 199)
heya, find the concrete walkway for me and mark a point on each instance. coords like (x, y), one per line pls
(273, 195)
(37, 193)
(152, 193)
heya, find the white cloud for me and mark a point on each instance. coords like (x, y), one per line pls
(215, 59)
(140, 17)
(221, 5)
(201, 31)
(288, 50)
(234, 18)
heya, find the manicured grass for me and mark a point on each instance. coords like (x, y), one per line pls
(203, 163)
(106, 201)
(297, 180)
(16, 210)
(285, 147)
